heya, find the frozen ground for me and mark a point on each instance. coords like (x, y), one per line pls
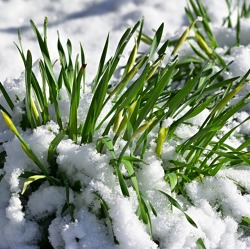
(88, 22)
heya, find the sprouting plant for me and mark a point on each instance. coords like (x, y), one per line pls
(142, 99)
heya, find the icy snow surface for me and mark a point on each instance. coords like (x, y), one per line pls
(89, 22)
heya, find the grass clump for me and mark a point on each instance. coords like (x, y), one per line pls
(153, 88)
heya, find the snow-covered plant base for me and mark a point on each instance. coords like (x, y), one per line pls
(151, 154)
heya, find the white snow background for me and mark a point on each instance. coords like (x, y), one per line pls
(88, 22)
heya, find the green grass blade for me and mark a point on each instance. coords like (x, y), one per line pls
(61, 52)
(129, 167)
(181, 94)
(28, 75)
(95, 108)
(238, 28)
(127, 98)
(121, 46)
(7, 97)
(51, 158)
(155, 95)
(190, 114)
(70, 206)
(45, 110)
(42, 42)
(200, 244)
(105, 209)
(107, 141)
(83, 62)
(163, 48)
(101, 66)
(74, 103)
(4, 110)
(26, 148)
(156, 41)
(30, 180)
(54, 91)
(226, 99)
(172, 179)
(127, 78)
(177, 205)
(122, 182)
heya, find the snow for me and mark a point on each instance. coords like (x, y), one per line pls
(218, 202)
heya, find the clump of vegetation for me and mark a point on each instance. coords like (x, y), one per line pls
(154, 86)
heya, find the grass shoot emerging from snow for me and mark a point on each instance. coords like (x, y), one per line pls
(153, 87)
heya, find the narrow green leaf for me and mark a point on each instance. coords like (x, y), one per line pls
(61, 52)
(156, 41)
(177, 205)
(83, 65)
(95, 108)
(74, 104)
(200, 244)
(30, 180)
(122, 182)
(129, 96)
(69, 205)
(107, 141)
(129, 167)
(101, 66)
(173, 180)
(51, 159)
(6, 96)
(28, 74)
(42, 43)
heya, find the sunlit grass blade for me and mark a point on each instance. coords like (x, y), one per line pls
(42, 42)
(74, 103)
(62, 55)
(26, 148)
(107, 141)
(204, 46)
(120, 86)
(131, 60)
(4, 110)
(121, 46)
(184, 36)
(200, 10)
(101, 66)
(172, 179)
(190, 114)
(30, 180)
(54, 91)
(155, 95)
(95, 108)
(156, 41)
(200, 244)
(162, 134)
(130, 95)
